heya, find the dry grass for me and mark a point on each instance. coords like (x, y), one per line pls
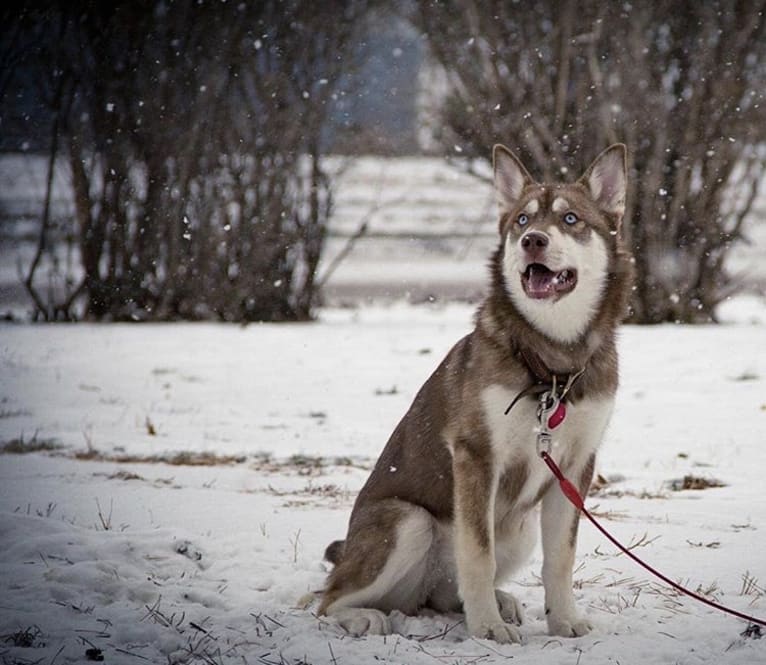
(13, 413)
(635, 543)
(306, 465)
(669, 599)
(712, 545)
(691, 482)
(185, 458)
(105, 520)
(21, 446)
(26, 638)
(614, 515)
(201, 644)
(46, 512)
(602, 487)
(751, 587)
(301, 465)
(310, 494)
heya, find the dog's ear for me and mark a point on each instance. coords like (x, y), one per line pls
(510, 178)
(607, 179)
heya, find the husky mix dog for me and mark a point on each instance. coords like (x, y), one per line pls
(447, 514)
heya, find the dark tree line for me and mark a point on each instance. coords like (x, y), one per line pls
(195, 131)
(194, 135)
(682, 83)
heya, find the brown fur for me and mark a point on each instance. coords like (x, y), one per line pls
(510, 486)
(373, 535)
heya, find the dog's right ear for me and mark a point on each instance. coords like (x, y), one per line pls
(510, 178)
(607, 179)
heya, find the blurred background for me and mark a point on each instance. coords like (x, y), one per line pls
(255, 161)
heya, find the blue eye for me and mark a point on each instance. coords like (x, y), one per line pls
(523, 220)
(570, 218)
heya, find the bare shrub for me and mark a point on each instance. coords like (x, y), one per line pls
(682, 83)
(194, 135)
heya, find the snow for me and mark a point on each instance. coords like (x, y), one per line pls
(150, 561)
(187, 477)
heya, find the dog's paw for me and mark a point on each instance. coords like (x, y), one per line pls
(359, 621)
(499, 631)
(510, 608)
(568, 626)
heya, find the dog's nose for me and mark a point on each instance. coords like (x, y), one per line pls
(534, 241)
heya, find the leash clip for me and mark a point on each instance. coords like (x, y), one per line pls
(544, 443)
(549, 402)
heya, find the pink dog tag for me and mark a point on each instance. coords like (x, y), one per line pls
(557, 417)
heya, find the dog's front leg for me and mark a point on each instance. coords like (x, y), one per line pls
(475, 487)
(560, 520)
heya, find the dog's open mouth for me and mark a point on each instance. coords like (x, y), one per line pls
(541, 282)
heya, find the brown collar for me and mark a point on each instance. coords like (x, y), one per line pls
(537, 368)
(546, 381)
(544, 377)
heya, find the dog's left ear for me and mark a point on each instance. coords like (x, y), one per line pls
(607, 179)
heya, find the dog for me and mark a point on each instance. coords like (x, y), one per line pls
(449, 511)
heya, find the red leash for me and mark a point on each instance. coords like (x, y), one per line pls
(571, 493)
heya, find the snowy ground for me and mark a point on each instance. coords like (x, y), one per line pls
(167, 491)
(188, 477)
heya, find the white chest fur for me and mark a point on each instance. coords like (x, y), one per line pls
(514, 436)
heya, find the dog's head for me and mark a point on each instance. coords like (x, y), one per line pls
(559, 240)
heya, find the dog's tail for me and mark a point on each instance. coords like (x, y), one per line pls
(334, 551)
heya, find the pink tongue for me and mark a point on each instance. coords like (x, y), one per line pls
(540, 280)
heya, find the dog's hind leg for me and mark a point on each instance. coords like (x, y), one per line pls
(383, 567)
